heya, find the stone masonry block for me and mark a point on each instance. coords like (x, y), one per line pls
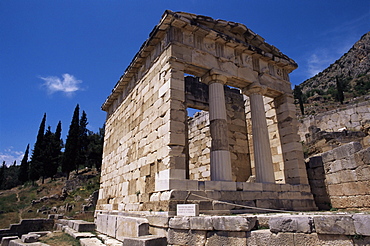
(334, 224)
(232, 223)
(148, 240)
(300, 224)
(111, 226)
(226, 238)
(180, 223)
(5, 240)
(315, 161)
(346, 150)
(201, 223)
(265, 237)
(362, 224)
(30, 238)
(131, 227)
(158, 220)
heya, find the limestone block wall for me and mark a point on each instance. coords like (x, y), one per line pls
(353, 117)
(200, 141)
(346, 177)
(307, 229)
(144, 137)
(272, 124)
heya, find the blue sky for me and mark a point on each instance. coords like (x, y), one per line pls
(55, 54)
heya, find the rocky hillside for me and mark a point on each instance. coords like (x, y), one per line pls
(353, 67)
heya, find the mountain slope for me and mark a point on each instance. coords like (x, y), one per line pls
(350, 67)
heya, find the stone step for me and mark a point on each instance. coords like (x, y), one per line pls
(148, 240)
(77, 235)
(121, 227)
(18, 242)
(5, 240)
(91, 242)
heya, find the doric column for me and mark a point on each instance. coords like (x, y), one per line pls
(261, 143)
(220, 155)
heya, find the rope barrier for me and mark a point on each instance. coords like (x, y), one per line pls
(238, 205)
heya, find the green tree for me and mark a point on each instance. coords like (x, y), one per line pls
(24, 168)
(71, 151)
(83, 141)
(57, 145)
(340, 90)
(2, 176)
(95, 148)
(36, 167)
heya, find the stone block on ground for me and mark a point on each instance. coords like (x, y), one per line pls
(83, 226)
(18, 242)
(91, 242)
(30, 238)
(131, 227)
(5, 240)
(148, 240)
(77, 235)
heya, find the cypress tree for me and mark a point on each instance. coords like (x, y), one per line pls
(2, 176)
(47, 154)
(95, 149)
(37, 154)
(299, 95)
(23, 170)
(71, 151)
(340, 90)
(56, 149)
(83, 141)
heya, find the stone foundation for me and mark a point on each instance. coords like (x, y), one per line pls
(264, 229)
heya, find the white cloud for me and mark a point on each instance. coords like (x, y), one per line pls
(318, 61)
(68, 84)
(9, 156)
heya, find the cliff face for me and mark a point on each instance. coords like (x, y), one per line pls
(351, 67)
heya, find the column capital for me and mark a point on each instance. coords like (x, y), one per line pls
(255, 88)
(214, 77)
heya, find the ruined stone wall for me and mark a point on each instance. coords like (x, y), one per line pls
(200, 141)
(353, 118)
(345, 171)
(272, 124)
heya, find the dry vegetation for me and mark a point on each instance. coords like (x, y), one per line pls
(16, 204)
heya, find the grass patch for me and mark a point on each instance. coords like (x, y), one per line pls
(8, 218)
(59, 239)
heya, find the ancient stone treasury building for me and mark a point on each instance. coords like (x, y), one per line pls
(241, 151)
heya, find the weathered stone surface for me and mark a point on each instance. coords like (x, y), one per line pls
(233, 223)
(334, 224)
(226, 238)
(131, 227)
(302, 224)
(362, 224)
(266, 237)
(180, 223)
(30, 238)
(157, 220)
(91, 242)
(5, 240)
(149, 240)
(201, 223)
(178, 236)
